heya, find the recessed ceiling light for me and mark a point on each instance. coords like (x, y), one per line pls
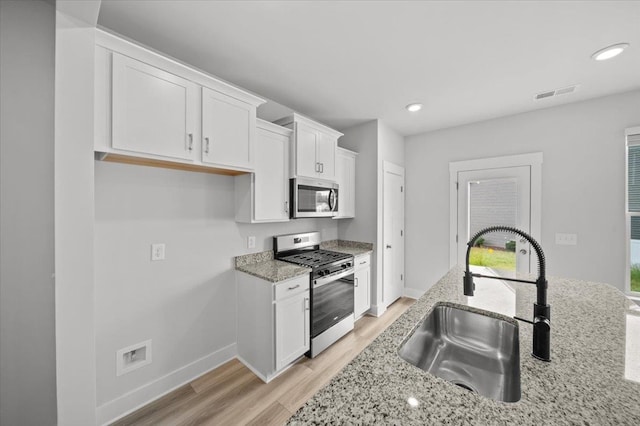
(414, 107)
(609, 52)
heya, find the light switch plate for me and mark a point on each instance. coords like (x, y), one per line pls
(566, 239)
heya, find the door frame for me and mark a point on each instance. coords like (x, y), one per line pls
(400, 171)
(533, 160)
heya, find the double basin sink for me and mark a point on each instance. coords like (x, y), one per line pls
(474, 350)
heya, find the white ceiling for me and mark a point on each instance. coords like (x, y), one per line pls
(345, 62)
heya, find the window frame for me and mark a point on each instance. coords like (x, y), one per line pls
(632, 131)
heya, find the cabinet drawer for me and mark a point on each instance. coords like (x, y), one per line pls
(291, 287)
(362, 261)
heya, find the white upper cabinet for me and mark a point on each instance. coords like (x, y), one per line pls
(346, 180)
(264, 195)
(313, 149)
(154, 112)
(228, 130)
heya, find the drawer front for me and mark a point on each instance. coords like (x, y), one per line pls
(292, 287)
(362, 261)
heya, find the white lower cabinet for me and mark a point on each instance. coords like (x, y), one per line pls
(362, 284)
(273, 323)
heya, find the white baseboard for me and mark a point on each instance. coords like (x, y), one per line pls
(413, 293)
(137, 398)
(377, 310)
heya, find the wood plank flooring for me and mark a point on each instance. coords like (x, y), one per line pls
(232, 395)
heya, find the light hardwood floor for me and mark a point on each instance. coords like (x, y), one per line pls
(232, 395)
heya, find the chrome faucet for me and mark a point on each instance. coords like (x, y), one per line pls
(541, 310)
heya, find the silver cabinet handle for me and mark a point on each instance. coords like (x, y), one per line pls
(294, 287)
(356, 282)
(206, 145)
(286, 207)
(364, 261)
(190, 145)
(388, 246)
(317, 167)
(306, 303)
(321, 167)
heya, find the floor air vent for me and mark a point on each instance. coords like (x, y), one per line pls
(556, 92)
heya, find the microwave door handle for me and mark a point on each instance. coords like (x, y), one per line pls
(332, 197)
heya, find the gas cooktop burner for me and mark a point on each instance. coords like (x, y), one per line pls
(316, 258)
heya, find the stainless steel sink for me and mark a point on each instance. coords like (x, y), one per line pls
(474, 351)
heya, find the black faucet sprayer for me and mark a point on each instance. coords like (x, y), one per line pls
(541, 310)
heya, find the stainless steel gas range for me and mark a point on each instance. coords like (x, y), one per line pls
(331, 286)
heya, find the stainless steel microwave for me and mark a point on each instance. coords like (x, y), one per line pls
(313, 198)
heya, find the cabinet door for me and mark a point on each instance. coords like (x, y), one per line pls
(361, 286)
(271, 185)
(326, 156)
(228, 130)
(349, 186)
(292, 328)
(306, 163)
(154, 112)
(341, 170)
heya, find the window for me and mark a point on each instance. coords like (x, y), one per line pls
(633, 209)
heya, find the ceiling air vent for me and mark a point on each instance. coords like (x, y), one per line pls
(556, 92)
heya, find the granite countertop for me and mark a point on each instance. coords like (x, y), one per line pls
(595, 352)
(354, 248)
(264, 266)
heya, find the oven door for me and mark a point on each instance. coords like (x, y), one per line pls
(313, 198)
(331, 303)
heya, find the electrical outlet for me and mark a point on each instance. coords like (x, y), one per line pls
(157, 251)
(251, 242)
(566, 239)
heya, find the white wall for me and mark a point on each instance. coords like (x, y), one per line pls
(27, 333)
(186, 304)
(582, 185)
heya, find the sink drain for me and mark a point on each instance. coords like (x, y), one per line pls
(465, 386)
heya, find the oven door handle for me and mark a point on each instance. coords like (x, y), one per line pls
(319, 282)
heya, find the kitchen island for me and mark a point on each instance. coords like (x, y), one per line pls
(592, 377)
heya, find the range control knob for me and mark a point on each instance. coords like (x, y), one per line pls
(344, 266)
(348, 264)
(326, 271)
(321, 273)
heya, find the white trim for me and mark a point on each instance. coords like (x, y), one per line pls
(139, 52)
(627, 215)
(413, 293)
(137, 398)
(395, 169)
(377, 310)
(534, 160)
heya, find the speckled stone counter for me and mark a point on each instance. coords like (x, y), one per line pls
(592, 350)
(263, 265)
(354, 248)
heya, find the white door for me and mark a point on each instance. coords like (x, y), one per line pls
(271, 190)
(306, 163)
(228, 130)
(292, 328)
(154, 112)
(326, 155)
(493, 197)
(393, 233)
